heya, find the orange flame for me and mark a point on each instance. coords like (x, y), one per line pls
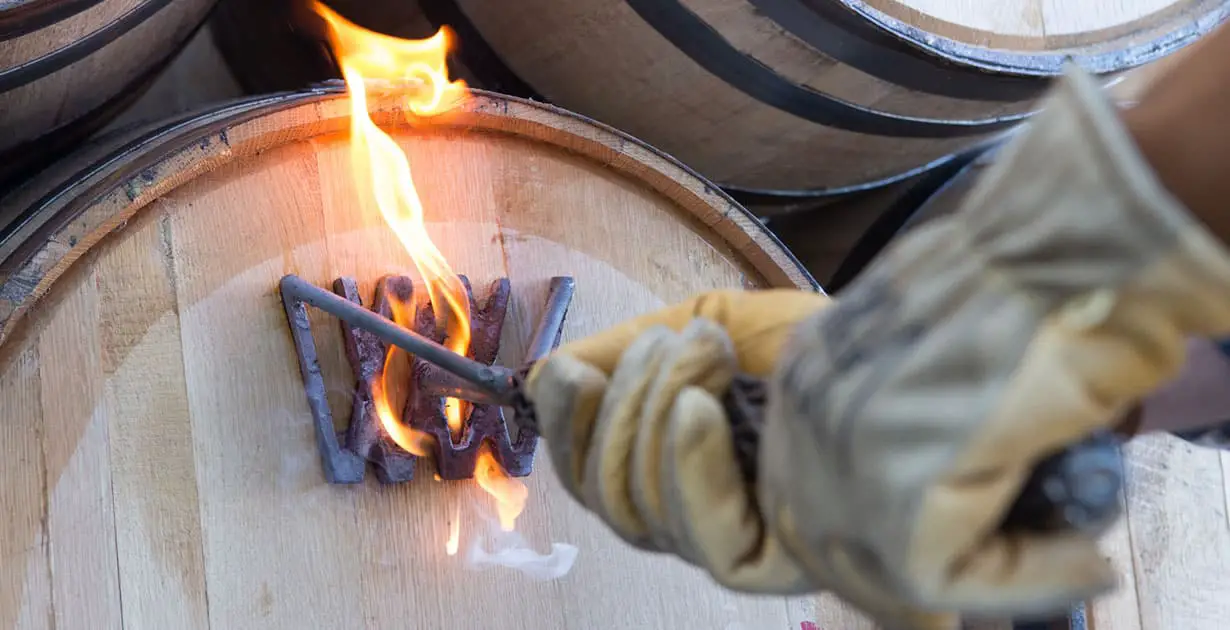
(417, 70)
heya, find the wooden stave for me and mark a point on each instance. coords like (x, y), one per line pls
(95, 23)
(893, 164)
(866, 221)
(122, 44)
(135, 225)
(25, 251)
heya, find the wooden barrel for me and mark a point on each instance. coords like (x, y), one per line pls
(829, 235)
(67, 66)
(1172, 548)
(836, 237)
(158, 462)
(785, 97)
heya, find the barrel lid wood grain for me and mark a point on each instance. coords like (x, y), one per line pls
(159, 461)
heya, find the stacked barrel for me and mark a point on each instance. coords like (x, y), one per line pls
(778, 98)
(68, 66)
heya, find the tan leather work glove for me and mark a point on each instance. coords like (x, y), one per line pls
(634, 423)
(904, 419)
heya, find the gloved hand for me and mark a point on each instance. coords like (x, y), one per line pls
(904, 420)
(634, 423)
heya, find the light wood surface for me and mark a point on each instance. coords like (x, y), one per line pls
(767, 96)
(158, 459)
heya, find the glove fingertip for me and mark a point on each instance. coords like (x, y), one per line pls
(711, 513)
(566, 395)
(1031, 574)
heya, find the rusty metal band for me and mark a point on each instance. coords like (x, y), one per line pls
(711, 51)
(749, 196)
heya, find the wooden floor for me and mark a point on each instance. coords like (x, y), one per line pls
(1173, 549)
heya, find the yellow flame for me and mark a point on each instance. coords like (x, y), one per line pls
(417, 70)
(420, 68)
(454, 534)
(509, 493)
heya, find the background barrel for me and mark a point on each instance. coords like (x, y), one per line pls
(836, 236)
(67, 66)
(827, 234)
(775, 97)
(1171, 548)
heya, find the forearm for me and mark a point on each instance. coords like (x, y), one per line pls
(1182, 129)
